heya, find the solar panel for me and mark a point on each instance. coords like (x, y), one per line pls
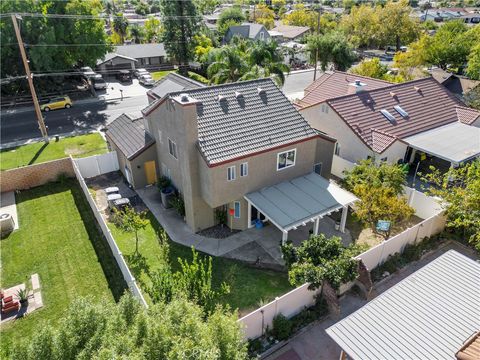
(389, 116)
(400, 110)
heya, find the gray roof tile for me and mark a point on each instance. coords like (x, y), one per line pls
(172, 83)
(129, 135)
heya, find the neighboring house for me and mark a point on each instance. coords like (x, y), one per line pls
(432, 314)
(211, 20)
(221, 144)
(145, 56)
(380, 122)
(136, 154)
(247, 31)
(456, 84)
(291, 33)
(173, 82)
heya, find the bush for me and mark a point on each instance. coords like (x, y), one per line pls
(221, 216)
(163, 182)
(197, 77)
(178, 204)
(282, 327)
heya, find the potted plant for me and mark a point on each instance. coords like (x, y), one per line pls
(23, 296)
(221, 216)
(166, 190)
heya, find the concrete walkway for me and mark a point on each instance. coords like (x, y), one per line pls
(8, 206)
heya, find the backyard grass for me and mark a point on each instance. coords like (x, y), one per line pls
(157, 75)
(57, 239)
(77, 146)
(249, 287)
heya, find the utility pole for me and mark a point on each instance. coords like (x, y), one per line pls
(319, 10)
(38, 111)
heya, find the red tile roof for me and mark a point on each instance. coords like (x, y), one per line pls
(334, 84)
(428, 104)
(467, 115)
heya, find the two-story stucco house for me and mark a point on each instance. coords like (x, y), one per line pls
(220, 143)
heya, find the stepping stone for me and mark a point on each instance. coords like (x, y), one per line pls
(38, 300)
(35, 282)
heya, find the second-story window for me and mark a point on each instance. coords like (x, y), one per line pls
(286, 159)
(172, 148)
(231, 173)
(244, 169)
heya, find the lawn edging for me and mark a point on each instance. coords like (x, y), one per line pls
(127, 275)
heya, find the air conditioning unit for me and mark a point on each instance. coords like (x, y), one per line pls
(7, 224)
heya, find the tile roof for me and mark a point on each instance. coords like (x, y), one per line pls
(428, 104)
(334, 84)
(291, 32)
(471, 349)
(129, 135)
(467, 115)
(428, 315)
(247, 122)
(173, 82)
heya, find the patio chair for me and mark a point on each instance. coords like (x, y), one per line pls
(10, 307)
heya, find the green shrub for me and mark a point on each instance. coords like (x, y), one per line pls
(282, 327)
(255, 346)
(178, 204)
(197, 77)
(163, 182)
(221, 216)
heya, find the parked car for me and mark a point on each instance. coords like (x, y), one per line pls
(99, 83)
(146, 80)
(124, 76)
(140, 72)
(61, 102)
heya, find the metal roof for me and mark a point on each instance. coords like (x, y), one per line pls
(428, 315)
(129, 135)
(138, 51)
(293, 202)
(251, 116)
(455, 142)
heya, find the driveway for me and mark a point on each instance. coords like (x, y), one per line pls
(115, 89)
(314, 343)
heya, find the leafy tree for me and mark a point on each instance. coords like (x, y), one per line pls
(263, 15)
(472, 98)
(131, 221)
(180, 24)
(228, 65)
(153, 29)
(203, 45)
(206, 6)
(137, 34)
(371, 68)
(459, 191)
(50, 31)
(318, 259)
(379, 188)
(331, 48)
(142, 8)
(396, 25)
(101, 330)
(301, 16)
(120, 26)
(362, 26)
(473, 66)
(229, 17)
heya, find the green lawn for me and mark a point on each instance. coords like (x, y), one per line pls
(77, 146)
(248, 286)
(57, 239)
(157, 75)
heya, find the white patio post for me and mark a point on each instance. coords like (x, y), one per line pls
(284, 237)
(316, 226)
(249, 219)
(343, 221)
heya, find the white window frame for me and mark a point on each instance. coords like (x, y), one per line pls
(244, 169)
(235, 215)
(174, 152)
(231, 170)
(262, 35)
(286, 152)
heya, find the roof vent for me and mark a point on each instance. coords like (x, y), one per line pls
(184, 98)
(400, 110)
(417, 89)
(260, 91)
(238, 94)
(392, 94)
(389, 116)
(356, 87)
(221, 98)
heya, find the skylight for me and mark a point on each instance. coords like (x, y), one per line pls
(402, 112)
(389, 116)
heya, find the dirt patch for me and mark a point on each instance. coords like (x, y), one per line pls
(73, 151)
(218, 232)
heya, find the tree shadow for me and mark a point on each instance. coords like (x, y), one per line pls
(137, 264)
(37, 154)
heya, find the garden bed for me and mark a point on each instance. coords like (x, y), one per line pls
(218, 232)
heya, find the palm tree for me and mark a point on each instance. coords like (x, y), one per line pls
(120, 26)
(137, 34)
(228, 65)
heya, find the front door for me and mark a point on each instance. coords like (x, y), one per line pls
(150, 172)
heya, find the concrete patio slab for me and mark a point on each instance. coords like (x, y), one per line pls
(8, 206)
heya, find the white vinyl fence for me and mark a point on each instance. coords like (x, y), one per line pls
(127, 275)
(339, 165)
(97, 164)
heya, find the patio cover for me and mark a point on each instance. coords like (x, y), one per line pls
(454, 142)
(295, 202)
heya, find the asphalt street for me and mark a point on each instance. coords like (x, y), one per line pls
(90, 116)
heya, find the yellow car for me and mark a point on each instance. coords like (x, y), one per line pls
(62, 102)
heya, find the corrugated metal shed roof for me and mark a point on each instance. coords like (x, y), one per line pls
(245, 120)
(428, 315)
(292, 202)
(454, 142)
(129, 135)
